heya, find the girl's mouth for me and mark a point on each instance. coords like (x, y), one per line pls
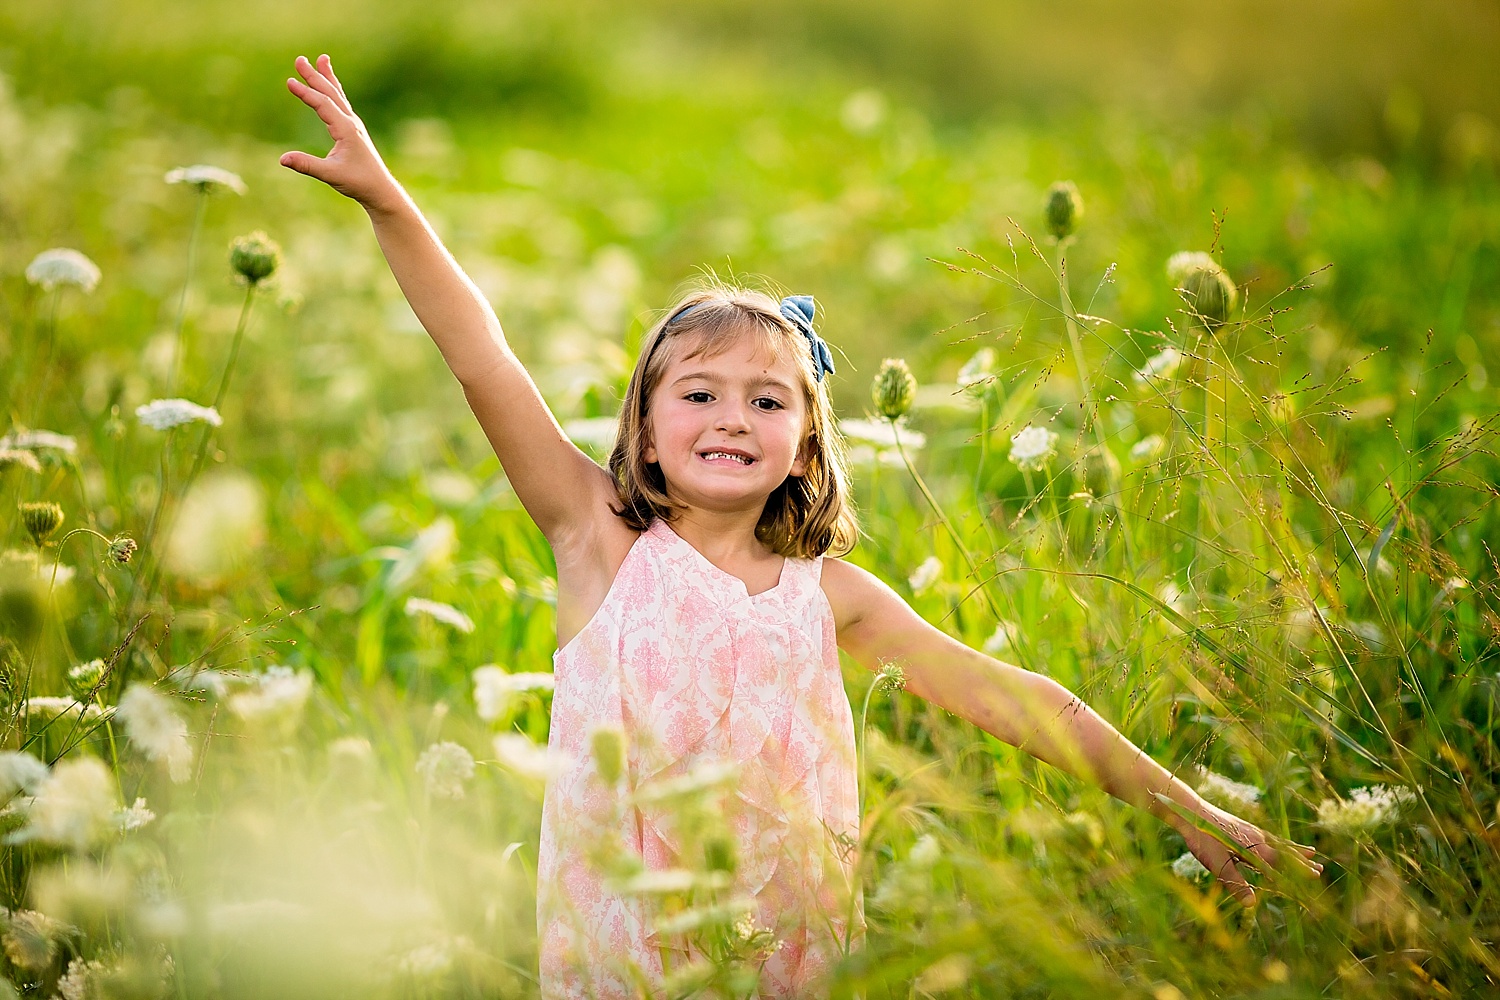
(722, 455)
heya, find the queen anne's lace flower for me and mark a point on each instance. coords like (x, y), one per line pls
(445, 767)
(1032, 447)
(206, 178)
(1221, 791)
(496, 689)
(73, 805)
(1364, 809)
(32, 440)
(20, 772)
(526, 758)
(438, 611)
(881, 433)
(154, 727)
(1189, 867)
(276, 694)
(1160, 366)
(164, 414)
(925, 575)
(62, 266)
(134, 817)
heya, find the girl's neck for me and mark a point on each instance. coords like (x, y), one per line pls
(725, 538)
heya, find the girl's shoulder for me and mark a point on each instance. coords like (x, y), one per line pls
(851, 591)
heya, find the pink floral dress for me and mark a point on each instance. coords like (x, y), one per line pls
(697, 672)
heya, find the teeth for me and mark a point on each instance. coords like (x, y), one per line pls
(724, 454)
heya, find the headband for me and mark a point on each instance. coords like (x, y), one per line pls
(797, 310)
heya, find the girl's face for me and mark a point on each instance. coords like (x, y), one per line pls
(727, 430)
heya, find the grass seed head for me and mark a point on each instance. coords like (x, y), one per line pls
(254, 257)
(19, 458)
(42, 519)
(1064, 209)
(894, 389)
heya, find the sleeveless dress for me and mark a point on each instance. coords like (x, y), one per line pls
(698, 673)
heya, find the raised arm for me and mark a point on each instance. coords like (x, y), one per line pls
(1038, 715)
(564, 491)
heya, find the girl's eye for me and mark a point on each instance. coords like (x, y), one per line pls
(767, 403)
(698, 396)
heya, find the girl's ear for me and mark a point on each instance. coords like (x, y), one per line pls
(804, 456)
(648, 449)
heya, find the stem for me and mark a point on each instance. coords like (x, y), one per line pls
(187, 281)
(46, 354)
(859, 767)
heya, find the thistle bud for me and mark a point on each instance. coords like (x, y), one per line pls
(1064, 209)
(41, 519)
(608, 743)
(1205, 286)
(894, 389)
(121, 549)
(254, 257)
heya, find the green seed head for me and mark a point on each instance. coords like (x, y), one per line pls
(608, 744)
(892, 677)
(1205, 286)
(254, 257)
(41, 519)
(894, 389)
(121, 549)
(83, 678)
(1064, 209)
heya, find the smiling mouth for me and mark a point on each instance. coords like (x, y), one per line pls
(733, 456)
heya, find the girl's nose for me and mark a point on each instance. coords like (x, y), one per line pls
(732, 418)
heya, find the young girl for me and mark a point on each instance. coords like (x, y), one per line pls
(699, 615)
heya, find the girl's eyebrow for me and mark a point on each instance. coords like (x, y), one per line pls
(707, 376)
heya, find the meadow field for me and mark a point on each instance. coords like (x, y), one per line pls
(1203, 428)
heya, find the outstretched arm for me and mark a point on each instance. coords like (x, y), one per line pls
(1038, 715)
(561, 488)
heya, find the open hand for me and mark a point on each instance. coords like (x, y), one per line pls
(353, 167)
(1255, 849)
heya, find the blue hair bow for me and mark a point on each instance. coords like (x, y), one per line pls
(798, 310)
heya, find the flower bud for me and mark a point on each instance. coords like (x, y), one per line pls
(892, 677)
(718, 854)
(1205, 286)
(1064, 209)
(608, 743)
(83, 678)
(894, 389)
(41, 519)
(121, 549)
(254, 257)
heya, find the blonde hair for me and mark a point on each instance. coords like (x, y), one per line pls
(806, 516)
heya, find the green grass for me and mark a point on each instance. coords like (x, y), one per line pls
(1219, 600)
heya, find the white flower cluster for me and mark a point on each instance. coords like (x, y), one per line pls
(925, 575)
(48, 706)
(881, 433)
(438, 611)
(528, 759)
(164, 414)
(133, 817)
(63, 266)
(495, 689)
(1159, 367)
(1147, 448)
(20, 772)
(445, 767)
(1189, 867)
(73, 805)
(1364, 809)
(153, 726)
(1032, 447)
(1221, 791)
(206, 178)
(32, 440)
(278, 693)
(977, 373)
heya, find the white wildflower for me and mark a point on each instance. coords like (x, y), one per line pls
(866, 456)
(925, 853)
(1160, 366)
(48, 706)
(82, 980)
(700, 779)
(661, 881)
(1001, 639)
(882, 433)
(1364, 809)
(1032, 447)
(164, 414)
(73, 806)
(1147, 448)
(593, 432)
(62, 266)
(445, 767)
(925, 575)
(1189, 867)
(528, 759)
(206, 178)
(278, 693)
(495, 689)
(32, 440)
(1221, 791)
(438, 611)
(20, 772)
(977, 373)
(154, 727)
(133, 817)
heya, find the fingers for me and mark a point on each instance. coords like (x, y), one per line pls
(1233, 879)
(325, 66)
(317, 81)
(304, 163)
(327, 109)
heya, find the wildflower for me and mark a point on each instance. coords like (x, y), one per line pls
(62, 266)
(40, 440)
(925, 853)
(438, 611)
(977, 372)
(1189, 867)
(83, 678)
(495, 689)
(134, 817)
(593, 432)
(20, 772)
(659, 882)
(892, 677)
(925, 575)
(1147, 448)
(19, 458)
(520, 755)
(445, 767)
(206, 179)
(1204, 285)
(608, 744)
(700, 918)
(1032, 447)
(47, 706)
(700, 779)
(121, 550)
(278, 693)
(894, 389)
(1001, 639)
(1221, 791)
(1160, 366)
(41, 519)
(30, 939)
(154, 727)
(164, 414)
(73, 805)
(81, 982)
(757, 942)
(1064, 209)
(882, 433)
(254, 257)
(1364, 809)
